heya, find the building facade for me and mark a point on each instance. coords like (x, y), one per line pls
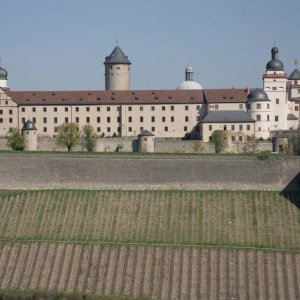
(186, 111)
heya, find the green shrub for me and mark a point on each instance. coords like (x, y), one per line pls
(263, 155)
(15, 139)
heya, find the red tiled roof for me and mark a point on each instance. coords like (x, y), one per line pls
(226, 95)
(105, 97)
(127, 97)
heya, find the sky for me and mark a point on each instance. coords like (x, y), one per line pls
(62, 44)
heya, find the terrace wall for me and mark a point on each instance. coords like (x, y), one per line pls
(147, 172)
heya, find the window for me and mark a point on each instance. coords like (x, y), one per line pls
(225, 127)
(268, 106)
(240, 138)
(45, 120)
(33, 109)
(232, 127)
(44, 109)
(88, 119)
(98, 109)
(166, 128)
(10, 112)
(108, 108)
(185, 128)
(129, 119)
(1, 120)
(172, 107)
(186, 118)
(108, 129)
(210, 127)
(119, 129)
(45, 129)
(198, 107)
(55, 109)
(240, 127)
(130, 108)
(66, 120)
(240, 106)
(66, 108)
(172, 119)
(130, 129)
(268, 118)
(186, 107)
(217, 106)
(296, 108)
(258, 118)
(55, 120)
(277, 101)
(276, 118)
(141, 119)
(152, 129)
(248, 127)
(108, 119)
(197, 118)
(258, 106)
(141, 108)
(248, 106)
(153, 108)
(152, 119)
(98, 129)
(77, 119)
(23, 120)
(163, 108)
(274, 88)
(34, 120)
(233, 138)
(163, 119)
(118, 108)
(55, 129)
(23, 109)
(1, 112)
(76, 108)
(87, 109)
(98, 119)
(118, 119)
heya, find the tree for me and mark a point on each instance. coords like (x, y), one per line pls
(68, 135)
(250, 145)
(220, 139)
(89, 138)
(15, 139)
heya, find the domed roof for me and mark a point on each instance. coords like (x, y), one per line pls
(28, 125)
(275, 64)
(257, 95)
(3, 73)
(190, 85)
(117, 57)
(295, 75)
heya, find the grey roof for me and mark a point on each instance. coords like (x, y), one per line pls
(257, 95)
(291, 117)
(146, 133)
(227, 116)
(295, 75)
(117, 57)
(28, 125)
(275, 64)
(3, 73)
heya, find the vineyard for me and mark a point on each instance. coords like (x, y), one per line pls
(224, 218)
(162, 244)
(162, 272)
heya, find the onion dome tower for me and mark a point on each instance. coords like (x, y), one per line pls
(274, 64)
(189, 83)
(117, 70)
(3, 78)
(259, 109)
(29, 132)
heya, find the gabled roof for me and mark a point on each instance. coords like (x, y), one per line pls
(295, 75)
(117, 57)
(134, 97)
(227, 116)
(226, 95)
(146, 133)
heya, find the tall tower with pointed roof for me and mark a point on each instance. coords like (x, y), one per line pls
(117, 70)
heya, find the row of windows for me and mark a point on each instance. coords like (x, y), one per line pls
(226, 127)
(216, 106)
(163, 119)
(10, 112)
(10, 120)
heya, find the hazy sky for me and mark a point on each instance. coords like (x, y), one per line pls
(62, 44)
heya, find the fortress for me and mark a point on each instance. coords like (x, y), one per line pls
(188, 110)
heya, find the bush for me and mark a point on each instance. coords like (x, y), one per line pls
(68, 135)
(89, 138)
(263, 155)
(15, 139)
(220, 139)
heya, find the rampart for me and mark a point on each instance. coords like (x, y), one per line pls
(27, 171)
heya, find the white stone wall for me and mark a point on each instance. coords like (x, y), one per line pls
(117, 77)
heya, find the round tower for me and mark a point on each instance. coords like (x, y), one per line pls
(146, 141)
(117, 71)
(29, 132)
(189, 83)
(259, 109)
(3, 78)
